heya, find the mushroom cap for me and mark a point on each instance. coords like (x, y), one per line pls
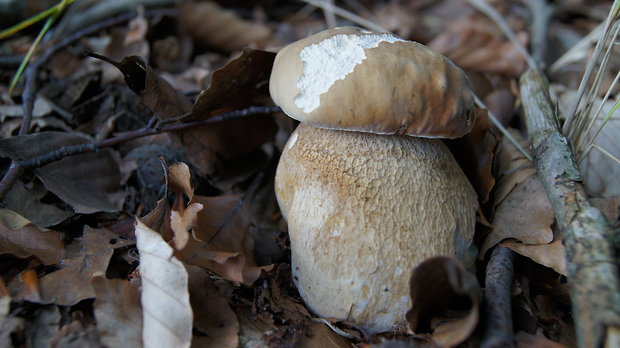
(363, 210)
(352, 79)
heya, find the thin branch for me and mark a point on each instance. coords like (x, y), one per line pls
(498, 293)
(71, 150)
(587, 235)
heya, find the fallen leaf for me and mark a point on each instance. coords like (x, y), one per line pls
(180, 179)
(21, 238)
(473, 42)
(445, 301)
(474, 153)
(222, 242)
(241, 83)
(213, 317)
(72, 283)
(550, 255)
(89, 182)
(118, 313)
(167, 314)
(512, 167)
(525, 340)
(182, 222)
(28, 204)
(208, 23)
(525, 214)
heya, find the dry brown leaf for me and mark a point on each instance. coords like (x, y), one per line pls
(525, 340)
(88, 182)
(549, 255)
(525, 214)
(27, 203)
(241, 83)
(21, 238)
(512, 167)
(124, 42)
(445, 301)
(179, 176)
(213, 317)
(167, 314)
(71, 284)
(474, 153)
(118, 313)
(473, 42)
(222, 242)
(208, 23)
(182, 222)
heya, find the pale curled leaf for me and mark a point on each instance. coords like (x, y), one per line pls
(182, 222)
(167, 314)
(179, 177)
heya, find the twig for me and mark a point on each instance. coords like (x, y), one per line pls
(29, 93)
(498, 291)
(588, 237)
(72, 150)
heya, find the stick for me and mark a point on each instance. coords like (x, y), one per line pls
(71, 150)
(498, 293)
(588, 237)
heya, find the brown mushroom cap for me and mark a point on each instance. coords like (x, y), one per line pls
(351, 79)
(363, 210)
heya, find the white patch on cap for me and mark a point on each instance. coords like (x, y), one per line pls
(331, 60)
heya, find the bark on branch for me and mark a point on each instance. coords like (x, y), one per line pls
(588, 236)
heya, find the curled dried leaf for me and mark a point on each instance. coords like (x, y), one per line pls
(445, 301)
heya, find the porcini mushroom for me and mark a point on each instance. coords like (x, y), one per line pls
(366, 191)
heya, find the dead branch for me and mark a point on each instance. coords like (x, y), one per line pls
(588, 237)
(497, 299)
(17, 167)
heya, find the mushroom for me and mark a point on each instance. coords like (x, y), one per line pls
(366, 189)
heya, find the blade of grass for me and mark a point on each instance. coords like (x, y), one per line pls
(30, 21)
(48, 24)
(570, 116)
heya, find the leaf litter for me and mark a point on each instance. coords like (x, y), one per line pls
(211, 267)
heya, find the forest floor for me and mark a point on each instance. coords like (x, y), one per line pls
(139, 149)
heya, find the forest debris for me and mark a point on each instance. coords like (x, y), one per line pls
(525, 214)
(498, 299)
(213, 318)
(474, 152)
(599, 170)
(118, 312)
(89, 182)
(446, 300)
(27, 203)
(21, 238)
(525, 340)
(45, 327)
(167, 314)
(72, 283)
(473, 42)
(588, 237)
(208, 23)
